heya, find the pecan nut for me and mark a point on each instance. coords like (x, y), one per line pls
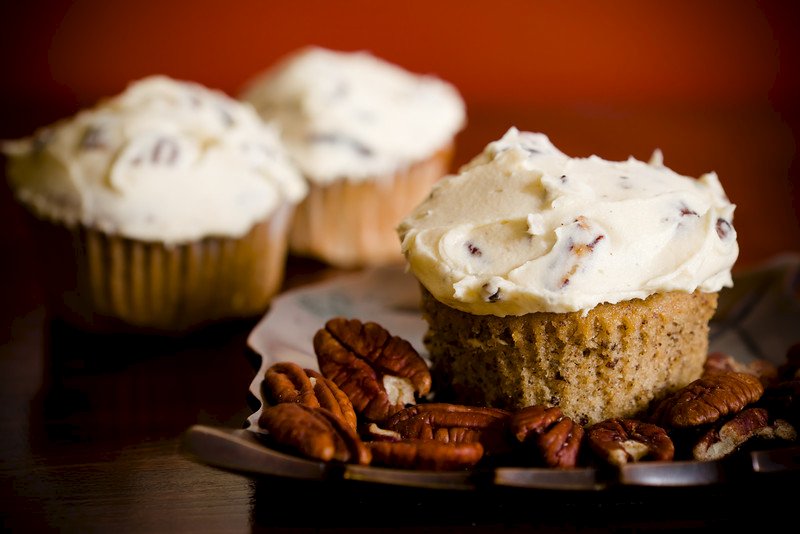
(314, 433)
(380, 373)
(288, 382)
(426, 454)
(621, 441)
(556, 437)
(720, 362)
(722, 440)
(708, 399)
(453, 423)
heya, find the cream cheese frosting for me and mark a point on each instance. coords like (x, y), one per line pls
(165, 160)
(524, 228)
(352, 115)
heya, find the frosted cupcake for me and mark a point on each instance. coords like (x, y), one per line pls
(371, 139)
(574, 282)
(163, 208)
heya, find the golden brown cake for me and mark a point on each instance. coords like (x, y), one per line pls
(161, 209)
(578, 283)
(370, 138)
(610, 363)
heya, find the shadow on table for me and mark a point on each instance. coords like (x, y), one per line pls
(124, 387)
(341, 505)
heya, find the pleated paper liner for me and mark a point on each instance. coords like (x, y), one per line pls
(105, 282)
(350, 223)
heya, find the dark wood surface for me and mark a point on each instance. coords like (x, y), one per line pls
(91, 426)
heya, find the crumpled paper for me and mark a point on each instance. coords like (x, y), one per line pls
(388, 296)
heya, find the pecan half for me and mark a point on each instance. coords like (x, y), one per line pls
(620, 441)
(720, 362)
(722, 440)
(426, 454)
(557, 438)
(708, 399)
(288, 382)
(380, 373)
(314, 433)
(453, 423)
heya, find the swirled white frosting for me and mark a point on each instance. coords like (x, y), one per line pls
(165, 160)
(352, 115)
(524, 228)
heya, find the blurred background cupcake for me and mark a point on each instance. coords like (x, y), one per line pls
(370, 137)
(161, 209)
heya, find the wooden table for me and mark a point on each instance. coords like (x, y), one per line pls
(91, 426)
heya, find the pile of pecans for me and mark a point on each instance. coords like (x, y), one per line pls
(370, 405)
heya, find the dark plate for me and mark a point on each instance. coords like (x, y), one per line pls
(758, 318)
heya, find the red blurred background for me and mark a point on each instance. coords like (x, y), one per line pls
(713, 84)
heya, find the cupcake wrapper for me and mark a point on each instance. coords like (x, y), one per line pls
(107, 282)
(353, 223)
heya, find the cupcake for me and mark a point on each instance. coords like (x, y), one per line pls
(573, 282)
(370, 138)
(163, 208)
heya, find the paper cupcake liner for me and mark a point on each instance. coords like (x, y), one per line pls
(106, 282)
(353, 223)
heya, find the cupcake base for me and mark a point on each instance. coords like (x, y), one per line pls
(352, 224)
(613, 362)
(103, 282)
